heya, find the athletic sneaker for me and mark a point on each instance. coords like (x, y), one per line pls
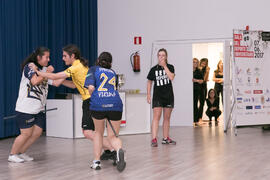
(107, 154)
(114, 157)
(15, 158)
(96, 165)
(121, 164)
(154, 142)
(25, 157)
(168, 141)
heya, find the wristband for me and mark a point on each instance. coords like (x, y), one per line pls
(50, 82)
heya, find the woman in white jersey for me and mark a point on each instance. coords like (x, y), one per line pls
(31, 104)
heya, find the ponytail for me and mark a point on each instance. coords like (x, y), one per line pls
(33, 57)
(73, 49)
(105, 60)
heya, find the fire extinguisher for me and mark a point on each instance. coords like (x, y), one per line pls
(135, 61)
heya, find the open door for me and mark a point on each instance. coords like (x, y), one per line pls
(180, 55)
(227, 84)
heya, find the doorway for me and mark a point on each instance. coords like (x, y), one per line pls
(180, 54)
(214, 53)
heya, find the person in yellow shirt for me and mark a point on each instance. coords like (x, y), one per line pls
(77, 71)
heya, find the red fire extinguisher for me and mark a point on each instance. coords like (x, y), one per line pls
(135, 61)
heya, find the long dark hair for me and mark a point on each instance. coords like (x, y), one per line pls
(217, 71)
(105, 60)
(204, 60)
(33, 57)
(73, 49)
(214, 91)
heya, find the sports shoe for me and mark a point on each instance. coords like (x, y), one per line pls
(15, 158)
(168, 141)
(114, 157)
(96, 165)
(107, 154)
(25, 157)
(154, 142)
(121, 164)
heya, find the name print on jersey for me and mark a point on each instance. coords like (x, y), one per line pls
(106, 94)
(161, 78)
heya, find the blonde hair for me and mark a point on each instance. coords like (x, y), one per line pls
(218, 69)
(195, 59)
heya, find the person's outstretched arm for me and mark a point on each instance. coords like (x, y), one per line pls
(35, 80)
(53, 76)
(64, 82)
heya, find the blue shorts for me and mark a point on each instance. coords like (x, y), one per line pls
(25, 120)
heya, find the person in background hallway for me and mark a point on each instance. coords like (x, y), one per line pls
(213, 106)
(30, 104)
(218, 79)
(163, 98)
(77, 71)
(105, 105)
(205, 72)
(197, 89)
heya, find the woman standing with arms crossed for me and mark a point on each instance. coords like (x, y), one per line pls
(31, 104)
(163, 99)
(77, 71)
(218, 79)
(197, 90)
(205, 72)
(105, 104)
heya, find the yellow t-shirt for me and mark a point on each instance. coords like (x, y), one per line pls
(78, 74)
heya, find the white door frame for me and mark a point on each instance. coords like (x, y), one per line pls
(227, 72)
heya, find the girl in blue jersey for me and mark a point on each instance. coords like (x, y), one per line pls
(105, 104)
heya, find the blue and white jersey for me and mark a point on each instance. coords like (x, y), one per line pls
(31, 99)
(105, 96)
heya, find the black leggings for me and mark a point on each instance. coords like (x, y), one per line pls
(202, 97)
(196, 94)
(219, 90)
(216, 113)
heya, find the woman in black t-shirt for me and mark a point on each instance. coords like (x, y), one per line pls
(163, 99)
(197, 89)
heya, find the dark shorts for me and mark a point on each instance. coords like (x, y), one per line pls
(163, 103)
(25, 120)
(110, 115)
(87, 121)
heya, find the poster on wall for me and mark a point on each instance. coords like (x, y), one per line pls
(251, 78)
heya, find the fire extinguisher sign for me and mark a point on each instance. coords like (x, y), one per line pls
(137, 40)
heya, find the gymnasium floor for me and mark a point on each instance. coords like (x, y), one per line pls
(201, 153)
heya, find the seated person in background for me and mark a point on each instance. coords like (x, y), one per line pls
(213, 105)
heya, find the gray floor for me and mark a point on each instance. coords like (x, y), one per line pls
(200, 153)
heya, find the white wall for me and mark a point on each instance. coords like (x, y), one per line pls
(120, 20)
